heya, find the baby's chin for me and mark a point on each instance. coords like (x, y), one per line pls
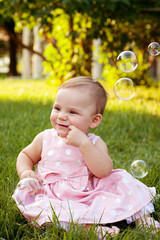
(62, 134)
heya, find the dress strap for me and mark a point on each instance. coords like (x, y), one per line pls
(93, 137)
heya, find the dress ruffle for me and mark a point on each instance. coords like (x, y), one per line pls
(148, 209)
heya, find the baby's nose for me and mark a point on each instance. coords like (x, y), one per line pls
(63, 116)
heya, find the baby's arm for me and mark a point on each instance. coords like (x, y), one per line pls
(29, 157)
(95, 155)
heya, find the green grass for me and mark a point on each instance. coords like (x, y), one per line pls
(131, 130)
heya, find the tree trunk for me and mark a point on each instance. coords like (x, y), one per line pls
(158, 68)
(37, 60)
(13, 58)
(9, 26)
(26, 54)
(96, 66)
(86, 62)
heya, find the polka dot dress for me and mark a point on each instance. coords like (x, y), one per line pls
(72, 193)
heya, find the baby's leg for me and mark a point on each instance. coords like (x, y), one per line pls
(102, 230)
(148, 222)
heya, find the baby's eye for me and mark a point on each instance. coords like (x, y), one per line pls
(57, 108)
(73, 112)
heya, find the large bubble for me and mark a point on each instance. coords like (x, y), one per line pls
(124, 89)
(127, 61)
(154, 48)
(139, 169)
(32, 186)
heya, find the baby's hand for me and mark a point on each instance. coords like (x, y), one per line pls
(30, 174)
(75, 137)
(31, 185)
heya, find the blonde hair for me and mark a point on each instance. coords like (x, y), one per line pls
(93, 87)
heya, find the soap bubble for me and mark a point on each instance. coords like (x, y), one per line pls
(31, 186)
(127, 61)
(124, 89)
(139, 169)
(154, 48)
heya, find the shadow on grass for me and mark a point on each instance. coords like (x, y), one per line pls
(128, 135)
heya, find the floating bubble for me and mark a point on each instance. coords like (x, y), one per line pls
(124, 89)
(139, 169)
(154, 48)
(127, 61)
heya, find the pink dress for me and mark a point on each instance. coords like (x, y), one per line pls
(73, 193)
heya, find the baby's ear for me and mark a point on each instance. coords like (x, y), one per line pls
(96, 120)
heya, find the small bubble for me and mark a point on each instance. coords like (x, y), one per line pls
(124, 89)
(139, 169)
(127, 61)
(154, 48)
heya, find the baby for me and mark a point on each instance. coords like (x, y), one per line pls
(74, 170)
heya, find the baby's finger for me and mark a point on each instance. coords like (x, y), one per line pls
(35, 176)
(33, 185)
(27, 174)
(39, 179)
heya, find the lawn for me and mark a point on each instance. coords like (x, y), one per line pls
(131, 130)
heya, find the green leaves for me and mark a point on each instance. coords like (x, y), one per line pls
(70, 27)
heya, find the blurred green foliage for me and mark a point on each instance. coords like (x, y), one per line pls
(70, 27)
(68, 51)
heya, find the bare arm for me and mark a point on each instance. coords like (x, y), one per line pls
(29, 157)
(96, 156)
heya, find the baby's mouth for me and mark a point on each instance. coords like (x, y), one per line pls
(62, 125)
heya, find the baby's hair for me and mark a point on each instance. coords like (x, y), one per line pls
(93, 87)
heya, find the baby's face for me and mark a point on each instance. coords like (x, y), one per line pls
(72, 107)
